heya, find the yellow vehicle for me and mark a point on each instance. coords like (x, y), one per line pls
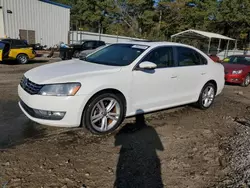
(4, 50)
(15, 49)
(226, 60)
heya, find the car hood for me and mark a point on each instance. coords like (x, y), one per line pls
(67, 71)
(231, 67)
(87, 51)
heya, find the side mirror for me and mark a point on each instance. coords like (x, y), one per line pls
(147, 65)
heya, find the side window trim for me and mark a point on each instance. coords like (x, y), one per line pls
(204, 59)
(141, 60)
(175, 56)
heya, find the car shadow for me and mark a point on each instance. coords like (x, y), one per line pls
(138, 164)
(232, 84)
(15, 128)
(28, 130)
(33, 61)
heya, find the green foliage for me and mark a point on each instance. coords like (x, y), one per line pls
(140, 18)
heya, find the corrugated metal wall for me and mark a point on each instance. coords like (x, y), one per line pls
(50, 22)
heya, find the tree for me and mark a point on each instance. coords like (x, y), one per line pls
(137, 14)
(159, 19)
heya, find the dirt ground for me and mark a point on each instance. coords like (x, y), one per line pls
(182, 147)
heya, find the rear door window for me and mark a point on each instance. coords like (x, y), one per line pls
(18, 44)
(189, 57)
(89, 44)
(101, 43)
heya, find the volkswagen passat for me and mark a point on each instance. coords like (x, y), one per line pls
(120, 80)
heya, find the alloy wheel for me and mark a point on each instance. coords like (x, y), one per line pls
(208, 96)
(23, 59)
(105, 114)
(247, 80)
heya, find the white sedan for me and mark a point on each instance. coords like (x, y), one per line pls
(120, 80)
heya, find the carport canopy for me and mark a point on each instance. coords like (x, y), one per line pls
(197, 34)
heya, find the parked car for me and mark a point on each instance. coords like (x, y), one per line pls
(117, 81)
(4, 50)
(237, 69)
(215, 58)
(84, 53)
(75, 49)
(18, 50)
(38, 46)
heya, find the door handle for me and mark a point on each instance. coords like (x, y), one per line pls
(203, 73)
(174, 76)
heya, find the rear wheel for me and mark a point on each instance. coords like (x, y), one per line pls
(246, 81)
(22, 59)
(207, 96)
(104, 113)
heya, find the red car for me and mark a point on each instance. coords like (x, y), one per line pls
(237, 69)
(215, 58)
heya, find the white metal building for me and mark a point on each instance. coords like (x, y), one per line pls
(78, 36)
(37, 21)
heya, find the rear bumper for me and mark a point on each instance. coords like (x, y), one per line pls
(234, 78)
(32, 56)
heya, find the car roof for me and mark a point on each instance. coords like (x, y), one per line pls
(155, 44)
(85, 40)
(239, 55)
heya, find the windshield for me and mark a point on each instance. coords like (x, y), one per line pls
(239, 60)
(117, 54)
(2, 45)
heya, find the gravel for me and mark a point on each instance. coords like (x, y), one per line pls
(182, 147)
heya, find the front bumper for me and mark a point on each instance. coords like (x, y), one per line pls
(234, 78)
(72, 106)
(82, 56)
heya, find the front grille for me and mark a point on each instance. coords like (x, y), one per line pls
(29, 86)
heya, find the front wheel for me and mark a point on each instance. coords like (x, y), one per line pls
(207, 96)
(22, 59)
(104, 113)
(246, 81)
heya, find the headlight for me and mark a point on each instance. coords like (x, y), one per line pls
(69, 89)
(237, 72)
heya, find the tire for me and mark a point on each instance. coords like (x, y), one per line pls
(246, 81)
(206, 99)
(94, 116)
(76, 54)
(22, 59)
